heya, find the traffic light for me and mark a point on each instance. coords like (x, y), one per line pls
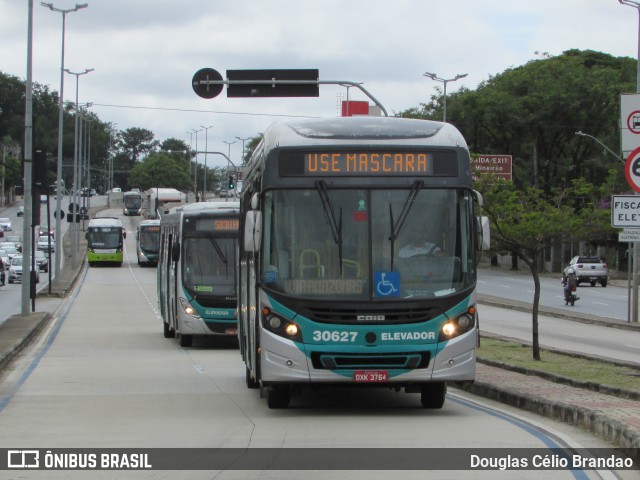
(232, 182)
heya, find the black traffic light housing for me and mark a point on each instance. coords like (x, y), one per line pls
(232, 182)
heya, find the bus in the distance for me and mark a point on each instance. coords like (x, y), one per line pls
(148, 242)
(197, 270)
(131, 203)
(358, 258)
(105, 241)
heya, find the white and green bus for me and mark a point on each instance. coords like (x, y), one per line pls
(333, 287)
(197, 270)
(148, 242)
(105, 241)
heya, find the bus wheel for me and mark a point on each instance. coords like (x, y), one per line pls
(186, 340)
(278, 396)
(432, 395)
(251, 382)
(168, 332)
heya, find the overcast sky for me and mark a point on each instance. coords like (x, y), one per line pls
(145, 52)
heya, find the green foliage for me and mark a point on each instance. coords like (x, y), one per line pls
(161, 170)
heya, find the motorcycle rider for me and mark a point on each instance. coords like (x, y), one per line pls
(2, 275)
(570, 282)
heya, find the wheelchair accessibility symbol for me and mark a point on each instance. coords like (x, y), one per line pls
(387, 284)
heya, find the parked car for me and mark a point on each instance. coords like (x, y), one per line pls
(46, 243)
(589, 269)
(5, 224)
(20, 212)
(15, 270)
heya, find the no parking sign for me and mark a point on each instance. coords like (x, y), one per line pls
(632, 169)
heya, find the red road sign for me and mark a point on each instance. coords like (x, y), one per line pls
(633, 122)
(632, 169)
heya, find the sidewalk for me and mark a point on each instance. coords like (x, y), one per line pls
(611, 417)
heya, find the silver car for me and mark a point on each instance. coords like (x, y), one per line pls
(5, 224)
(15, 270)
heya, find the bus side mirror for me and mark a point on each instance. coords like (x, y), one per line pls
(86, 236)
(124, 234)
(483, 234)
(175, 252)
(252, 231)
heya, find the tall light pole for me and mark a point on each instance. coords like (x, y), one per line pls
(249, 138)
(636, 245)
(195, 176)
(229, 155)
(74, 225)
(433, 76)
(206, 142)
(60, 132)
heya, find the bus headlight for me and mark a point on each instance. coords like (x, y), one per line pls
(280, 326)
(458, 325)
(188, 309)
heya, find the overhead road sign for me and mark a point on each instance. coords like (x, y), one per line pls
(625, 211)
(202, 83)
(241, 83)
(268, 83)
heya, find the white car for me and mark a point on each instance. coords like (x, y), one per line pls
(10, 249)
(15, 270)
(44, 241)
(5, 224)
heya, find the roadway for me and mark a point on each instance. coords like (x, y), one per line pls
(103, 376)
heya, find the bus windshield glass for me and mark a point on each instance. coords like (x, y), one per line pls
(150, 239)
(105, 237)
(208, 266)
(368, 244)
(133, 201)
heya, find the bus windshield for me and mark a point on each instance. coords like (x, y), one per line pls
(208, 266)
(133, 201)
(363, 244)
(150, 239)
(105, 237)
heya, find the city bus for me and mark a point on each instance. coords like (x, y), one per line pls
(333, 287)
(131, 203)
(148, 242)
(196, 278)
(105, 241)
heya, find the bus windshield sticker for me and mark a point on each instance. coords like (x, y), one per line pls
(387, 284)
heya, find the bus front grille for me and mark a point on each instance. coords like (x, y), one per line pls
(350, 361)
(373, 317)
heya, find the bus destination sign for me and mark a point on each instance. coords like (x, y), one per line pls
(218, 224)
(368, 163)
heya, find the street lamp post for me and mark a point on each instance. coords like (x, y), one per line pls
(244, 140)
(433, 76)
(195, 176)
(206, 147)
(74, 226)
(60, 130)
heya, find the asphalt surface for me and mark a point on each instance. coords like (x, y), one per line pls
(613, 415)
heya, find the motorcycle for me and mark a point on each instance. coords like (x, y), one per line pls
(570, 293)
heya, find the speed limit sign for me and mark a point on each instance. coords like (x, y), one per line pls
(632, 169)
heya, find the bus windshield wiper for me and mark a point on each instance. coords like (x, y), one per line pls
(336, 226)
(397, 226)
(219, 251)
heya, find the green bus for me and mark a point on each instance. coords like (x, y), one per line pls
(105, 241)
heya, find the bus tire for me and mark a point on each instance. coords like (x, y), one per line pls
(278, 396)
(432, 395)
(168, 331)
(186, 340)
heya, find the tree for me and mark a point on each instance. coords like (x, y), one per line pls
(526, 222)
(533, 111)
(163, 170)
(135, 143)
